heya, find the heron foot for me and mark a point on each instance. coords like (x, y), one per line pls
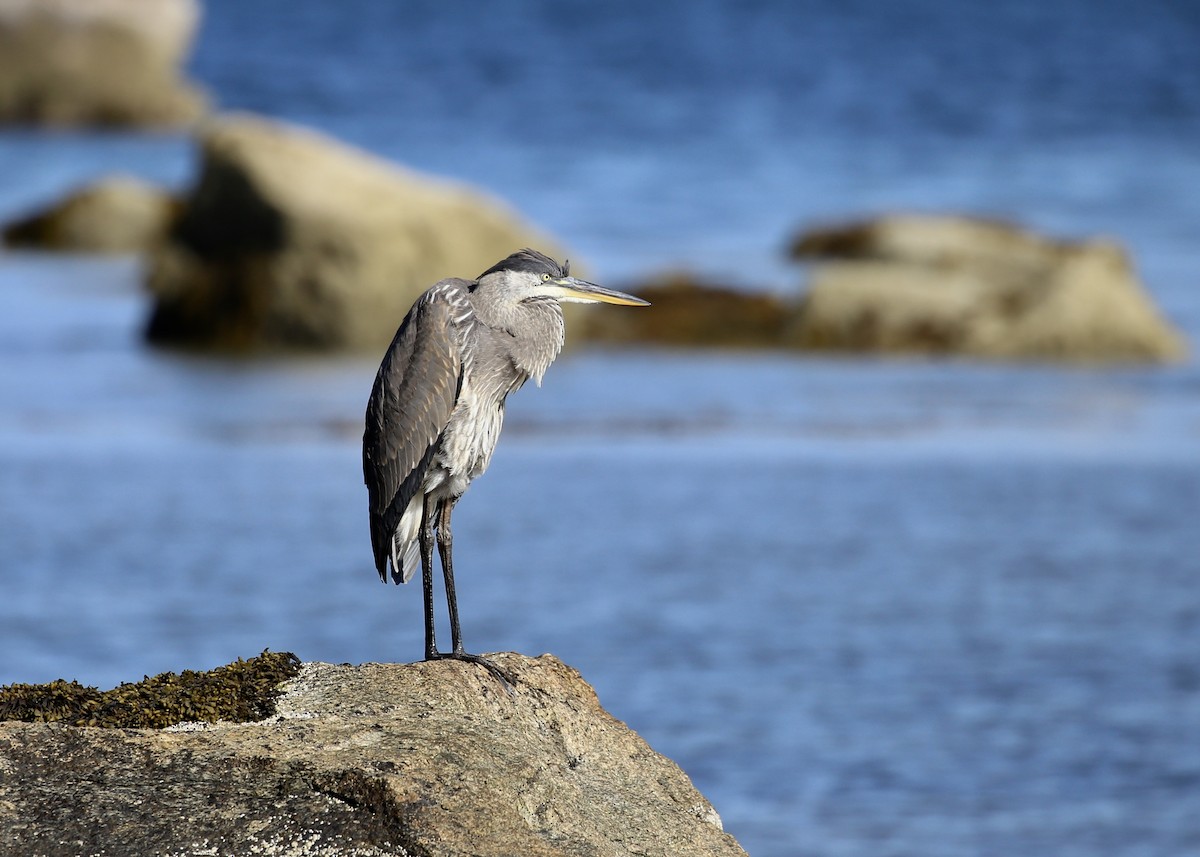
(505, 677)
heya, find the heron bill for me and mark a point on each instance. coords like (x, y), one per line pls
(581, 291)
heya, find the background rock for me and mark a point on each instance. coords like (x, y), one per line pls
(432, 758)
(687, 312)
(118, 214)
(980, 288)
(293, 240)
(108, 62)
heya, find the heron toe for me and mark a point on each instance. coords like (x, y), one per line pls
(508, 679)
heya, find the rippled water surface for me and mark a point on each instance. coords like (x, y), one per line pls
(870, 608)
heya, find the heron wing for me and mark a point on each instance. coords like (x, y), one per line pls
(411, 402)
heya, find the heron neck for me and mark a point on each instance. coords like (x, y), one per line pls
(530, 332)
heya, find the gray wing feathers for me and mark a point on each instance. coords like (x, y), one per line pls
(410, 405)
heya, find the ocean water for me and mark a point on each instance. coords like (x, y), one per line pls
(871, 607)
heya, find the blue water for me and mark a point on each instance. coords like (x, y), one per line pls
(872, 608)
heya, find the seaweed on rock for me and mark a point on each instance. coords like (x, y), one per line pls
(243, 691)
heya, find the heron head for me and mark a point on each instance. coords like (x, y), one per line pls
(528, 274)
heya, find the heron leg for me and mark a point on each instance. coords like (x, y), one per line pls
(426, 540)
(445, 543)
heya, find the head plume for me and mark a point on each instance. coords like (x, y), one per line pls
(532, 262)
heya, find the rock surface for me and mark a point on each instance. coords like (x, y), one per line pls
(118, 214)
(97, 62)
(432, 758)
(979, 288)
(291, 240)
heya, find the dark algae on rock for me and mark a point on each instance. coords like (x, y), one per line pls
(241, 692)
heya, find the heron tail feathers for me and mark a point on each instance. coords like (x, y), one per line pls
(406, 558)
(405, 545)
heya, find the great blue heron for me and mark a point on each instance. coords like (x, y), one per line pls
(437, 405)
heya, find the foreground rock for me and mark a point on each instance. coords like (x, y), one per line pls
(432, 758)
(118, 214)
(291, 240)
(106, 62)
(979, 288)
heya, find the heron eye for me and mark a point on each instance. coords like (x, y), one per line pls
(545, 277)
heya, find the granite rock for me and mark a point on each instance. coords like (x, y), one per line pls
(965, 286)
(291, 240)
(97, 62)
(432, 758)
(116, 214)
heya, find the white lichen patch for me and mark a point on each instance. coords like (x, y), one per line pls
(705, 812)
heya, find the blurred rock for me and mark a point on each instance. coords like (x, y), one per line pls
(291, 240)
(687, 312)
(958, 285)
(97, 62)
(118, 214)
(431, 758)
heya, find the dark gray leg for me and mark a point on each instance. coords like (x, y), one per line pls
(445, 543)
(426, 539)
